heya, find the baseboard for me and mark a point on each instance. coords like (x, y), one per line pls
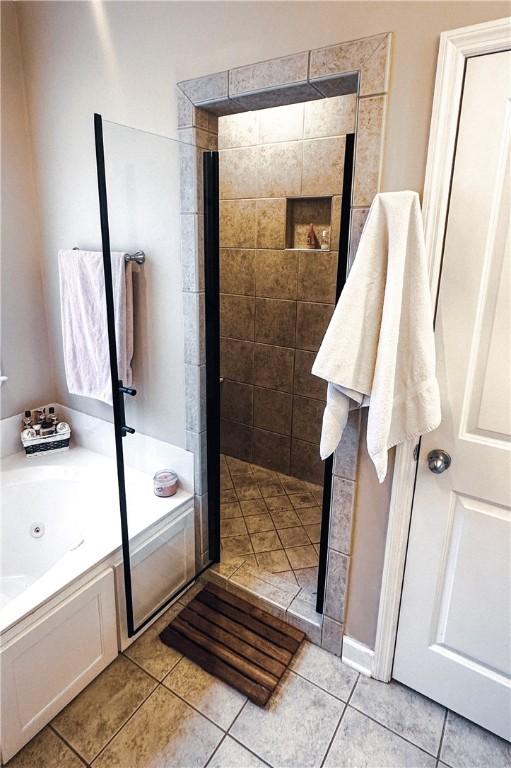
(357, 655)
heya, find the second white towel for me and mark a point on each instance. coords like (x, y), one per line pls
(379, 348)
(84, 323)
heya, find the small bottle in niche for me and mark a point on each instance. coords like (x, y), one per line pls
(312, 240)
(324, 242)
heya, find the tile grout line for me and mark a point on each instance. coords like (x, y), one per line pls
(390, 730)
(317, 685)
(66, 742)
(210, 758)
(121, 653)
(178, 695)
(440, 744)
(336, 730)
(126, 721)
(228, 733)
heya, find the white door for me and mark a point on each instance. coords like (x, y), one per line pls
(453, 641)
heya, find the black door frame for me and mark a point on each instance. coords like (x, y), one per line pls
(212, 321)
(118, 391)
(342, 274)
(212, 331)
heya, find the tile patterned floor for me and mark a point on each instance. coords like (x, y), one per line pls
(152, 708)
(271, 520)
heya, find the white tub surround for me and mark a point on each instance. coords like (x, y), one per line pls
(62, 562)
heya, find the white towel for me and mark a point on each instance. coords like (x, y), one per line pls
(379, 348)
(84, 325)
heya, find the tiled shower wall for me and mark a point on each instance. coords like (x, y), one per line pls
(276, 301)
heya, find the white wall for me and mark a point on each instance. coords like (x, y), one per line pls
(123, 59)
(70, 76)
(25, 351)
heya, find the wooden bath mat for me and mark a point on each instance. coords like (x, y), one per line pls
(242, 645)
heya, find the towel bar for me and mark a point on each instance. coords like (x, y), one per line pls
(138, 257)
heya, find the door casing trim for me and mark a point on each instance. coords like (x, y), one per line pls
(456, 46)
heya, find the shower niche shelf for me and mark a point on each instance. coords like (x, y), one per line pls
(301, 212)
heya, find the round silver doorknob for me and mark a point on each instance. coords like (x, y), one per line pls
(438, 461)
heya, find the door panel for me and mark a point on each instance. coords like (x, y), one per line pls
(141, 177)
(454, 631)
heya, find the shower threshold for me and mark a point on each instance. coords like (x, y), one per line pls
(270, 532)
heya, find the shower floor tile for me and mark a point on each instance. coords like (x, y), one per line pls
(282, 516)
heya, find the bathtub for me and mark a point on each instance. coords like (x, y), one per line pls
(62, 614)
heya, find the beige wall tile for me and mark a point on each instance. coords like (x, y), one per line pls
(368, 149)
(344, 57)
(346, 453)
(267, 74)
(190, 178)
(275, 322)
(236, 440)
(337, 580)
(273, 410)
(330, 117)
(317, 276)
(332, 636)
(237, 271)
(237, 223)
(237, 401)
(281, 123)
(304, 382)
(240, 130)
(343, 495)
(336, 222)
(279, 169)
(306, 463)
(307, 418)
(375, 70)
(323, 165)
(311, 323)
(273, 367)
(195, 397)
(194, 327)
(185, 110)
(271, 223)
(192, 251)
(238, 173)
(276, 274)
(207, 88)
(237, 316)
(358, 219)
(273, 451)
(237, 360)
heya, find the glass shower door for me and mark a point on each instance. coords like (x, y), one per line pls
(139, 194)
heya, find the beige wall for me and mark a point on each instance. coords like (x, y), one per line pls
(25, 353)
(124, 58)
